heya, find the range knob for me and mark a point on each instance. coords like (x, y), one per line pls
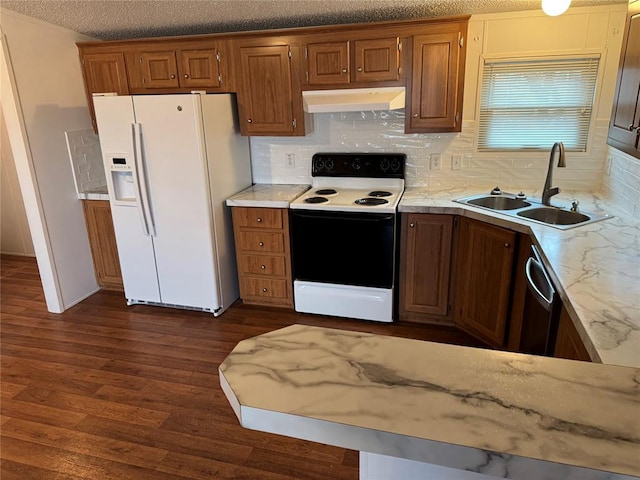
(319, 164)
(329, 164)
(395, 165)
(384, 165)
(356, 164)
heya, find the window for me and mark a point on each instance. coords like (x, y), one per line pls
(531, 104)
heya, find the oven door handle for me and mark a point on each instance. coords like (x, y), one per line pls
(534, 271)
(359, 217)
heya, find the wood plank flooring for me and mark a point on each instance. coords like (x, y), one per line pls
(106, 391)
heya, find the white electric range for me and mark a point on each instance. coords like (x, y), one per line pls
(344, 233)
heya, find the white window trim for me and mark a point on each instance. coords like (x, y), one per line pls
(569, 54)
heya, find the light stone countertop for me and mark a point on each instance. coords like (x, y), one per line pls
(502, 414)
(267, 195)
(97, 194)
(595, 267)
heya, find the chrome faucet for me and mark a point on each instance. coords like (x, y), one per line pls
(548, 191)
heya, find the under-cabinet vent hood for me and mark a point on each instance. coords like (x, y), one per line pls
(353, 100)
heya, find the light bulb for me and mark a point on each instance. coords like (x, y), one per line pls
(554, 8)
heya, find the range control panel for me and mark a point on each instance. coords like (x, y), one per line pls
(368, 165)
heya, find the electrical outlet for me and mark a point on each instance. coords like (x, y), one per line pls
(456, 162)
(436, 161)
(291, 160)
(609, 162)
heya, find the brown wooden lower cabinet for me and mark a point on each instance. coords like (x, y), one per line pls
(263, 254)
(484, 272)
(425, 267)
(102, 239)
(568, 342)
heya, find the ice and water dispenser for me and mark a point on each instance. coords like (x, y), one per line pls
(122, 176)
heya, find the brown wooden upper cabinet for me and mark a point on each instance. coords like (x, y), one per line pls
(437, 81)
(624, 129)
(266, 101)
(103, 73)
(358, 61)
(160, 69)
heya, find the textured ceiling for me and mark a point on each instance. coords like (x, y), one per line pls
(122, 19)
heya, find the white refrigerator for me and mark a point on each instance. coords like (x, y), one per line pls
(171, 161)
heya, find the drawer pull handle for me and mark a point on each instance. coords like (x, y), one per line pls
(261, 244)
(264, 290)
(259, 220)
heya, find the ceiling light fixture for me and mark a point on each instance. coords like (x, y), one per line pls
(554, 8)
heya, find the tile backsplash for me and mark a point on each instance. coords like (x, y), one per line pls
(621, 182)
(86, 160)
(383, 131)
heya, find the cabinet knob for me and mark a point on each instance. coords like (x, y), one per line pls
(344, 70)
(186, 75)
(261, 244)
(415, 115)
(412, 224)
(264, 290)
(263, 267)
(259, 220)
(359, 69)
(249, 120)
(172, 76)
(507, 245)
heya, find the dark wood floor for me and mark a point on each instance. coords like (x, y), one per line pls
(106, 391)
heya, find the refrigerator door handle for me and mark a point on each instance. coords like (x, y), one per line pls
(141, 179)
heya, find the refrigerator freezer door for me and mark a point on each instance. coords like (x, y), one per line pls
(178, 188)
(115, 117)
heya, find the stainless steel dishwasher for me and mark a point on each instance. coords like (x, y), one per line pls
(541, 309)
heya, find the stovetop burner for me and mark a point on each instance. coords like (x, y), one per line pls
(380, 193)
(316, 200)
(371, 201)
(326, 191)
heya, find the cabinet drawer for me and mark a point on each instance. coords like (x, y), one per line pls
(265, 287)
(262, 242)
(262, 265)
(259, 217)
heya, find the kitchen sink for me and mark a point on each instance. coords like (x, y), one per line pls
(499, 202)
(554, 216)
(531, 209)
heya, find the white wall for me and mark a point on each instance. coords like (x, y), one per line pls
(42, 96)
(580, 30)
(15, 238)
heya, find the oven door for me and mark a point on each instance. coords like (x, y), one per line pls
(343, 248)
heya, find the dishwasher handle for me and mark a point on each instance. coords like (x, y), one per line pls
(539, 283)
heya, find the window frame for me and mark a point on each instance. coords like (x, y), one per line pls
(533, 56)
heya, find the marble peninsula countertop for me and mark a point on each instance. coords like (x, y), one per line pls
(503, 414)
(96, 194)
(267, 195)
(595, 267)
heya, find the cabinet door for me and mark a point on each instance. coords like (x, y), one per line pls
(266, 94)
(159, 69)
(102, 240)
(624, 130)
(328, 63)
(199, 68)
(425, 264)
(376, 60)
(103, 73)
(568, 342)
(436, 99)
(483, 285)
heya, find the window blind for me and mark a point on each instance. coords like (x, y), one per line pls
(531, 104)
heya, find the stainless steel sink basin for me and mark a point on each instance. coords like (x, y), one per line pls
(554, 216)
(531, 209)
(499, 202)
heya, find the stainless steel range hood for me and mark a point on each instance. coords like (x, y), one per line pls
(353, 99)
